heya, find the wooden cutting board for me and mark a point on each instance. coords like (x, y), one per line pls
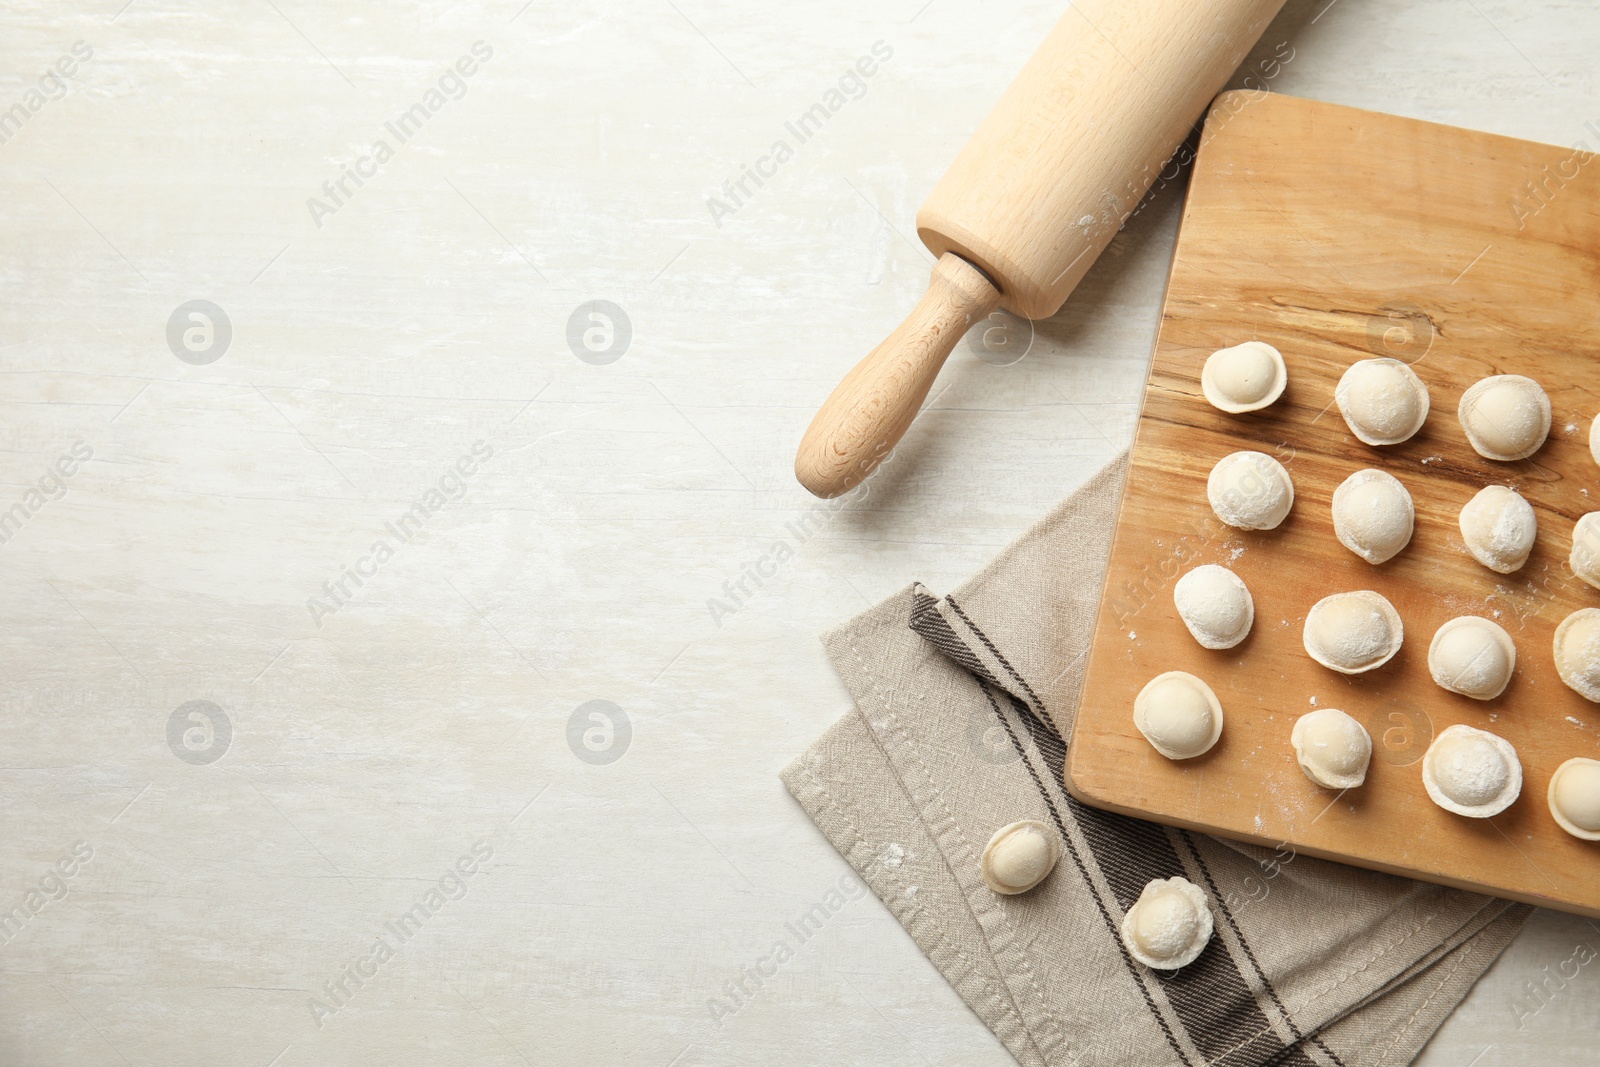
(1338, 235)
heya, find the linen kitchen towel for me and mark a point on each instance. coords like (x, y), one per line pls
(961, 707)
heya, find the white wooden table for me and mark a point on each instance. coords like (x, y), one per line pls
(309, 634)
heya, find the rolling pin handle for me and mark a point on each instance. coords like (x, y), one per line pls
(868, 412)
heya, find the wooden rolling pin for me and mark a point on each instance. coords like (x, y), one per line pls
(1033, 198)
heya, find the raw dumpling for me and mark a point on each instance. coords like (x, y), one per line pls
(1353, 632)
(1373, 515)
(1169, 925)
(1019, 856)
(1215, 605)
(1585, 556)
(1250, 491)
(1472, 656)
(1178, 714)
(1243, 378)
(1499, 527)
(1471, 772)
(1577, 652)
(1574, 797)
(1505, 417)
(1382, 401)
(1332, 748)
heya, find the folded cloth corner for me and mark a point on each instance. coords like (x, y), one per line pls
(962, 703)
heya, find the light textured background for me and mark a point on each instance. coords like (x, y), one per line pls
(431, 712)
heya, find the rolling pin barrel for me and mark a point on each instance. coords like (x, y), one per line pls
(1037, 193)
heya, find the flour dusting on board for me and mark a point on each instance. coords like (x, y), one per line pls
(1436, 577)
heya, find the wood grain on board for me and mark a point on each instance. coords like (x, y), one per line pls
(1338, 235)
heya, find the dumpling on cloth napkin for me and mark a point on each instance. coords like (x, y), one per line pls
(962, 704)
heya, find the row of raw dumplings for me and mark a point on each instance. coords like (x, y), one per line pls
(1374, 517)
(1505, 417)
(1465, 771)
(1356, 632)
